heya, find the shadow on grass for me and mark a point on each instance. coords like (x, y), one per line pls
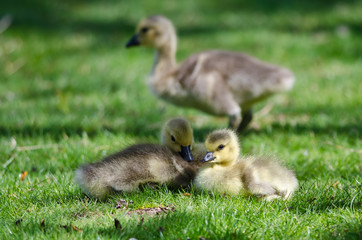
(158, 226)
(267, 6)
(322, 120)
(57, 15)
(315, 197)
(175, 225)
(138, 128)
(172, 225)
(154, 228)
(352, 130)
(169, 224)
(57, 131)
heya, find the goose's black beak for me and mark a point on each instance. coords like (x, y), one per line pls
(208, 157)
(186, 153)
(134, 41)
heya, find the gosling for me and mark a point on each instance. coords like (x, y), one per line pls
(177, 133)
(226, 172)
(221, 83)
(144, 163)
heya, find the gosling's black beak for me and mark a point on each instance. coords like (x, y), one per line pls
(208, 157)
(186, 153)
(134, 41)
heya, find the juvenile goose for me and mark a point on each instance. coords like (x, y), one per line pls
(217, 82)
(225, 172)
(144, 163)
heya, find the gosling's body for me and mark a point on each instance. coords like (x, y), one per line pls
(226, 172)
(128, 169)
(219, 179)
(218, 82)
(265, 176)
(145, 163)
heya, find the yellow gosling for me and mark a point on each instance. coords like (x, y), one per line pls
(226, 172)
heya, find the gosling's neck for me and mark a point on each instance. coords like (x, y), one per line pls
(161, 80)
(164, 61)
(165, 57)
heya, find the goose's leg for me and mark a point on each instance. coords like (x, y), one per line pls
(224, 102)
(247, 117)
(234, 121)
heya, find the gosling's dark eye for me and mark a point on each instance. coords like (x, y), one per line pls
(144, 29)
(173, 138)
(220, 147)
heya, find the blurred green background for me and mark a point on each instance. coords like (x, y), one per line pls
(70, 93)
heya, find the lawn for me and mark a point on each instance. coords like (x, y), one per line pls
(70, 93)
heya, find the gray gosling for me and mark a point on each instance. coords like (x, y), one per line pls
(178, 132)
(226, 172)
(126, 170)
(221, 83)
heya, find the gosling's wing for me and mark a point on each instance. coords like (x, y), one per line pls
(125, 170)
(240, 72)
(270, 171)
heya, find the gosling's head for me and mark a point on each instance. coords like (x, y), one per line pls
(155, 31)
(177, 135)
(222, 147)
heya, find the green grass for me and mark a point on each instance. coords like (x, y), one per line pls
(70, 88)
